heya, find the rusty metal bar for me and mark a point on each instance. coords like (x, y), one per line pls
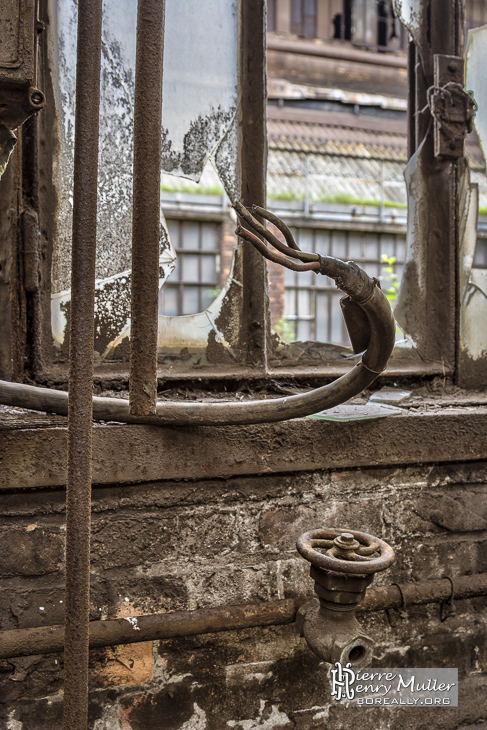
(146, 213)
(49, 639)
(411, 118)
(81, 339)
(255, 325)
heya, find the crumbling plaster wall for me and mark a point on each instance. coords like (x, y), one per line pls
(165, 546)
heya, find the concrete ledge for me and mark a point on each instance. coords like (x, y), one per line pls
(129, 454)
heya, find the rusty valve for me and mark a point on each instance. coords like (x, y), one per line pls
(343, 563)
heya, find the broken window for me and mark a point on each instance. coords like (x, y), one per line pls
(202, 143)
(199, 150)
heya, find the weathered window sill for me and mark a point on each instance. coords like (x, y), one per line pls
(433, 431)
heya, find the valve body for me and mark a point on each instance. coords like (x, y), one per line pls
(342, 575)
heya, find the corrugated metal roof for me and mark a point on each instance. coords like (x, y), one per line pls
(334, 156)
(333, 178)
(322, 155)
(335, 141)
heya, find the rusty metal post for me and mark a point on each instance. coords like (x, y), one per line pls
(411, 119)
(78, 496)
(253, 175)
(426, 305)
(146, 215)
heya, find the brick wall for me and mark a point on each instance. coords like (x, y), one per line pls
(182, 545)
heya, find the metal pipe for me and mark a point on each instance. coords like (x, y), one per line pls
(355, 282)
(146, 207)
(81, 343)
(49, 639)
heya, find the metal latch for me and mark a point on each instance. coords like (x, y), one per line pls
(451, 106)
(19, 96)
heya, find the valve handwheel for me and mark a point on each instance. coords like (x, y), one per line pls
(345, 551)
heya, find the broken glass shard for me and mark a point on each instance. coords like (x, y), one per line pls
(199, 123)
(476, 80)
(200, 86)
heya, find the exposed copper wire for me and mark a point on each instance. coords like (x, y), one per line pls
(276, 257)
(278, 223)
(294, 252)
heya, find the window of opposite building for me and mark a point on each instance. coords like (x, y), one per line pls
(312, 304)
(369, 23)
(194, 283)
(303, 18)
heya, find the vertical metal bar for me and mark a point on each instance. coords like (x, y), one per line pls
(255, 322)
(146, 214)
(12, 322)
(78, 496)
(411, 99)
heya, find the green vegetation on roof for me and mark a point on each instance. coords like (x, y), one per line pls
(192, 188)
(347, 199)
(340, 198)
(286, 195)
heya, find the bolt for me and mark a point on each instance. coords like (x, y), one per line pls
(452, 67)
(346, 542)
(37, 97)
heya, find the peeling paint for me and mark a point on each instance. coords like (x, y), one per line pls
(267, 719)
(253, 672)
(133, 622)
(197, 721)
(12, 723)
(200, 121)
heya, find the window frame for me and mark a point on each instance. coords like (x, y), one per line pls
(26, 329)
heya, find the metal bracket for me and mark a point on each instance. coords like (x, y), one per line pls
(401, 612)
(447, 607)
(451, 107)
(19, 96)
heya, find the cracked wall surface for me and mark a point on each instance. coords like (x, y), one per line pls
(169, 545)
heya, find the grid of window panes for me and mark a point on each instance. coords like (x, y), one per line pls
(194, 283)
(303, 18)
(312, 301)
